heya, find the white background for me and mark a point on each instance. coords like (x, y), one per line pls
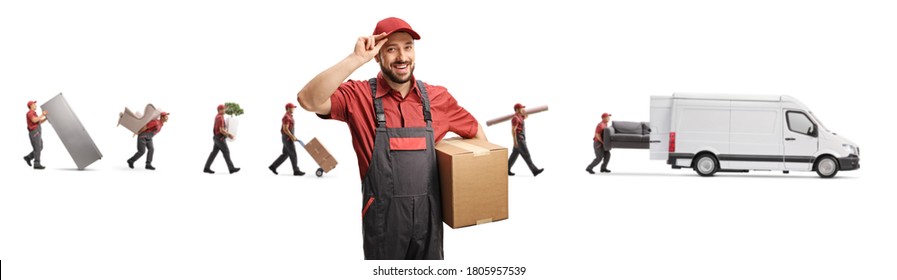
(643, 221)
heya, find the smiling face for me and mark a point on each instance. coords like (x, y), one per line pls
(33, 106)
(396, 58)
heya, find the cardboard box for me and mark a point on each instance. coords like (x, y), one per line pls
(474, 180)
(320, 155)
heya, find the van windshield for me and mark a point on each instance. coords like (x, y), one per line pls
(816, 119)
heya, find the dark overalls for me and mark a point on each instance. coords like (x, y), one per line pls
(402, 208)
(521, 150)
(288, 151)
(37, 145)
(144, 145)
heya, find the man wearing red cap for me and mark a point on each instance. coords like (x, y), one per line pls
(518, 131)
(220, 132)
(395, 122)
(287, 129)
(34, 134)
(145, 141)
(600, 152)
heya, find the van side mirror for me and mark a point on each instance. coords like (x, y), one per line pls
(812, 131)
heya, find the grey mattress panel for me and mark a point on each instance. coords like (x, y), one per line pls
(72, 133)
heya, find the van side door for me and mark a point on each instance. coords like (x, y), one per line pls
(801, 140)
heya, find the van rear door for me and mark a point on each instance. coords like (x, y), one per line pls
(800, 140)
(661, 113)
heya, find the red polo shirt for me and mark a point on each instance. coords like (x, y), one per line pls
(219, 123)
(352, 103)
(517, 121)
(154, 126)
(288, 121)
(599, 130)
(30, 116)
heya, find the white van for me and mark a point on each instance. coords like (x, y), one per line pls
(737, 133)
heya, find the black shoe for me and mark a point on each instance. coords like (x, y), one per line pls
(605, 170)
(298, 173)
(130, 164)
(590, 171)
(511, 173)
(27, 160)
(538, 172)
(38, 166)
(208, 171)
(149, 167)
(272, 169)
(235, 170)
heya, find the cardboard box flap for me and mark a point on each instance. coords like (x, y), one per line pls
(455, 146)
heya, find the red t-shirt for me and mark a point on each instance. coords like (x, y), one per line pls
(517, 121)
(599, 130)
(154, 126)
(219, 124)
(288, 121)
(28, 117)
(352, 103)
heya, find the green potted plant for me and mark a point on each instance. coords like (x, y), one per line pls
(232, 110)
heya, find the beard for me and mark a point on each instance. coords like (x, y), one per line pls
(392, 76)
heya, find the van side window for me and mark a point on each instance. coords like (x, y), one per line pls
(799, 123)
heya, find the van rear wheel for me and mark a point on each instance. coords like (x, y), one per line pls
(827, 167)
(706, 165)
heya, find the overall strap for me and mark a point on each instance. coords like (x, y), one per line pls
(379, 114)
(425, 100)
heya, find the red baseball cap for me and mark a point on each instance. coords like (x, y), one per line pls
(164, 114)
(518, 106)
(31, 103)
(290, 105)
(221, 107)
(393, 24)
(605, 115)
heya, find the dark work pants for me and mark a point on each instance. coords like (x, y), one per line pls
(144, 145)
(220, 145)
(521, 150)
(289, 150)
(37, 145)
(600, 154)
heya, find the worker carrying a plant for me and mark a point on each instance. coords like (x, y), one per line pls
(518, 131)
(145, 141)
(220, 134)
(34, 134)
(395, 122)
(287, 136)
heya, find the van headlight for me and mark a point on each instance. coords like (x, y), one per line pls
(851, 149)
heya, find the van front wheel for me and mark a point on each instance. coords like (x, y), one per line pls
(706, 165)
(827, 167)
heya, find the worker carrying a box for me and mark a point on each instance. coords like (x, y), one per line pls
(601, 154)
(145, 141)
(287, 130)
(518, 131)
(395, 123)
(220, 135)
(34, 134)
